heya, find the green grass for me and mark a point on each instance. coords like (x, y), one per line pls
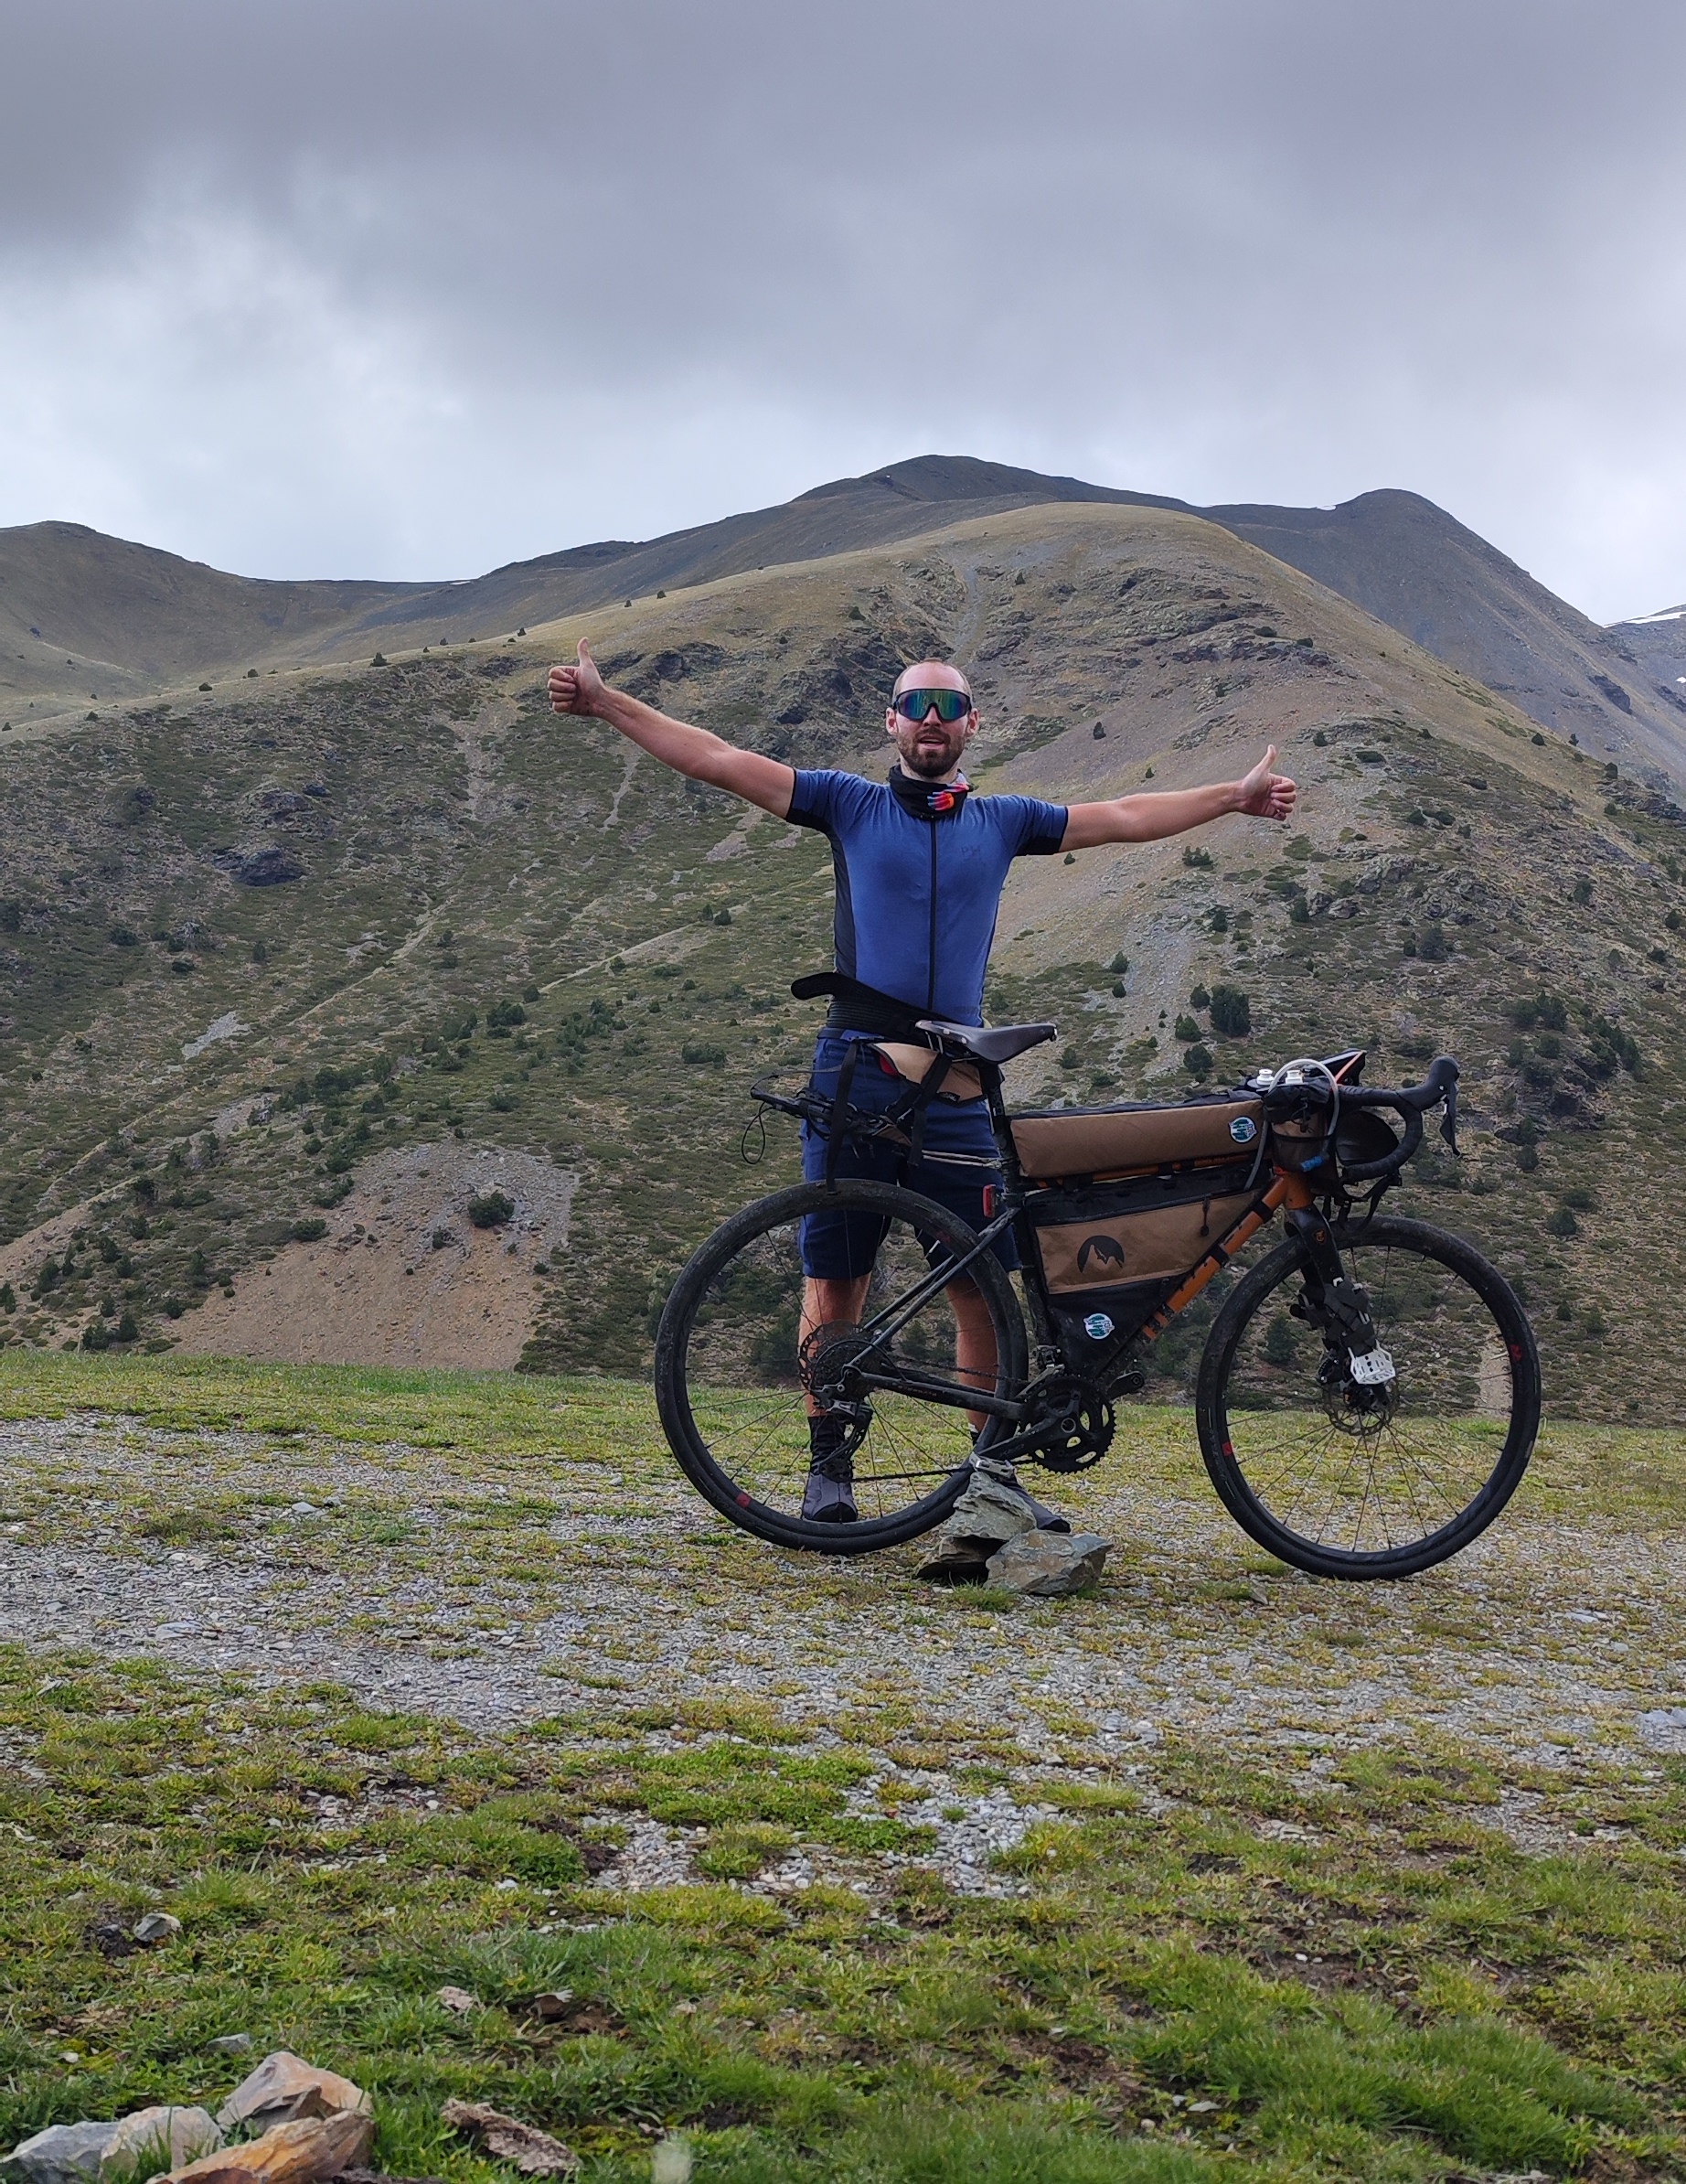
(1171, 1996)
(1213, 1960)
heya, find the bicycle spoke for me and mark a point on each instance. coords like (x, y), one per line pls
(1357, 1471)
(746, 1357)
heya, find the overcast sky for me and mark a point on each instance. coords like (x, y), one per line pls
(411, 289)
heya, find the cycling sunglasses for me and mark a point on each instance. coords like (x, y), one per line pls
(951, 705)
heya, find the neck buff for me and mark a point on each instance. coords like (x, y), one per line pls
(928, 799)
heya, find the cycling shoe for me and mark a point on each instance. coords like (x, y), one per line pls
(830, 1495)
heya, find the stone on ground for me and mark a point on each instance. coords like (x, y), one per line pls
(307, 2151)
(1049, 1565)
(62, 2154)
(282, 2089)
(159, 2138)
(988, 1513)
(534, 2152)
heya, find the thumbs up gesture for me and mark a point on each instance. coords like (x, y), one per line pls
(579, 688)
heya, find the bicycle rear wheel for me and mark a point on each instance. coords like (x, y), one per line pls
(730, 1361)
(1352, 1482)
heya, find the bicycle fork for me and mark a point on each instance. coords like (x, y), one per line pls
(1338, 1307)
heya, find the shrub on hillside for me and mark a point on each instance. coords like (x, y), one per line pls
(1232, 1012)
(1547, 1010)
(308, 1231)
(1198, 1062)
(491, 1210)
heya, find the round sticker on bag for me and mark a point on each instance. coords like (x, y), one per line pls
(1243, 1129)
(1097, 1327)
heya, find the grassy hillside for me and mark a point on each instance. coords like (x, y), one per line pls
(1457, 880)
(89, 620)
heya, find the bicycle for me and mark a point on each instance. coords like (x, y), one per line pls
(1367, 1399)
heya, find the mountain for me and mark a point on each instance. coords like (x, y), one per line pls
(86, 620)
(90, 619)
(291, 972)
(1412, 566)
(1658, 644)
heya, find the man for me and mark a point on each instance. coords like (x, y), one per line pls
(920, 864)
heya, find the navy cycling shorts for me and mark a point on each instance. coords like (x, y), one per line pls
(841, 1246)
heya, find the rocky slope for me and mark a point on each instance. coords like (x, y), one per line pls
(249, 942)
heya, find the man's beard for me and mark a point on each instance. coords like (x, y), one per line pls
(929, 765)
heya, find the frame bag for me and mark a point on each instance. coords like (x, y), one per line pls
(1110, 1251)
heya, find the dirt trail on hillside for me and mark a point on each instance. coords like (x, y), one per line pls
(402, 1276)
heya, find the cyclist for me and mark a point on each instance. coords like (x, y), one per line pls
(920, 863)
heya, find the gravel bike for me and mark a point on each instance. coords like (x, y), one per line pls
(1368, 1395)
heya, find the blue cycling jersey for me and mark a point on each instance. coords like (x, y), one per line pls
(917, 894)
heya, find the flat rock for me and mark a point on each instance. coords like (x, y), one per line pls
(265, 865)
(990, 1512)
(282, 2089)
(62, 2154)
(161, 2137)
(1663, 1728)
(534, 2152)
(1049, 1565)
(307, 2151)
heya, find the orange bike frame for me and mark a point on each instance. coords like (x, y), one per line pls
(1289, 1190)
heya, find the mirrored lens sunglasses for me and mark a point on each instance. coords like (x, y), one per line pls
(951, 705)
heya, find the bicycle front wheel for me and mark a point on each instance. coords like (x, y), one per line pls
(734, 1365)
(1348, 1481)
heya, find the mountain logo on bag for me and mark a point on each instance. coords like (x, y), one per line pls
(1243, 1129)
(1106, 1248)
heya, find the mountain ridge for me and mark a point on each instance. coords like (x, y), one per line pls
(1394, 553)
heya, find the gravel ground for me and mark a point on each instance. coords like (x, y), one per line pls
(493, 1595)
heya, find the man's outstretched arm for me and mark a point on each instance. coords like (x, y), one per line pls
(581, 691)
(1151, 817)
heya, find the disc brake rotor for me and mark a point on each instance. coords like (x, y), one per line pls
(1350, 1407)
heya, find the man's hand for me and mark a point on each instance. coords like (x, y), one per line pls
(579, 689)
(1263, 795)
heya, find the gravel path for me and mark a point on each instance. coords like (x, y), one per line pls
(424, 1580)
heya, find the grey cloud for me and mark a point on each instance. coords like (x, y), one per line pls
(556, 270)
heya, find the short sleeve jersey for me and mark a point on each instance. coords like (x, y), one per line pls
(917, 898)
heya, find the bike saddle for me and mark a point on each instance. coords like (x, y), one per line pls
(997, 1042)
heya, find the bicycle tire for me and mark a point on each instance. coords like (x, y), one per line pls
(717, 1470)
(1459, 1339)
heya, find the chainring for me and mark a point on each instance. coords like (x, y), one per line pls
(1074, 1427)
